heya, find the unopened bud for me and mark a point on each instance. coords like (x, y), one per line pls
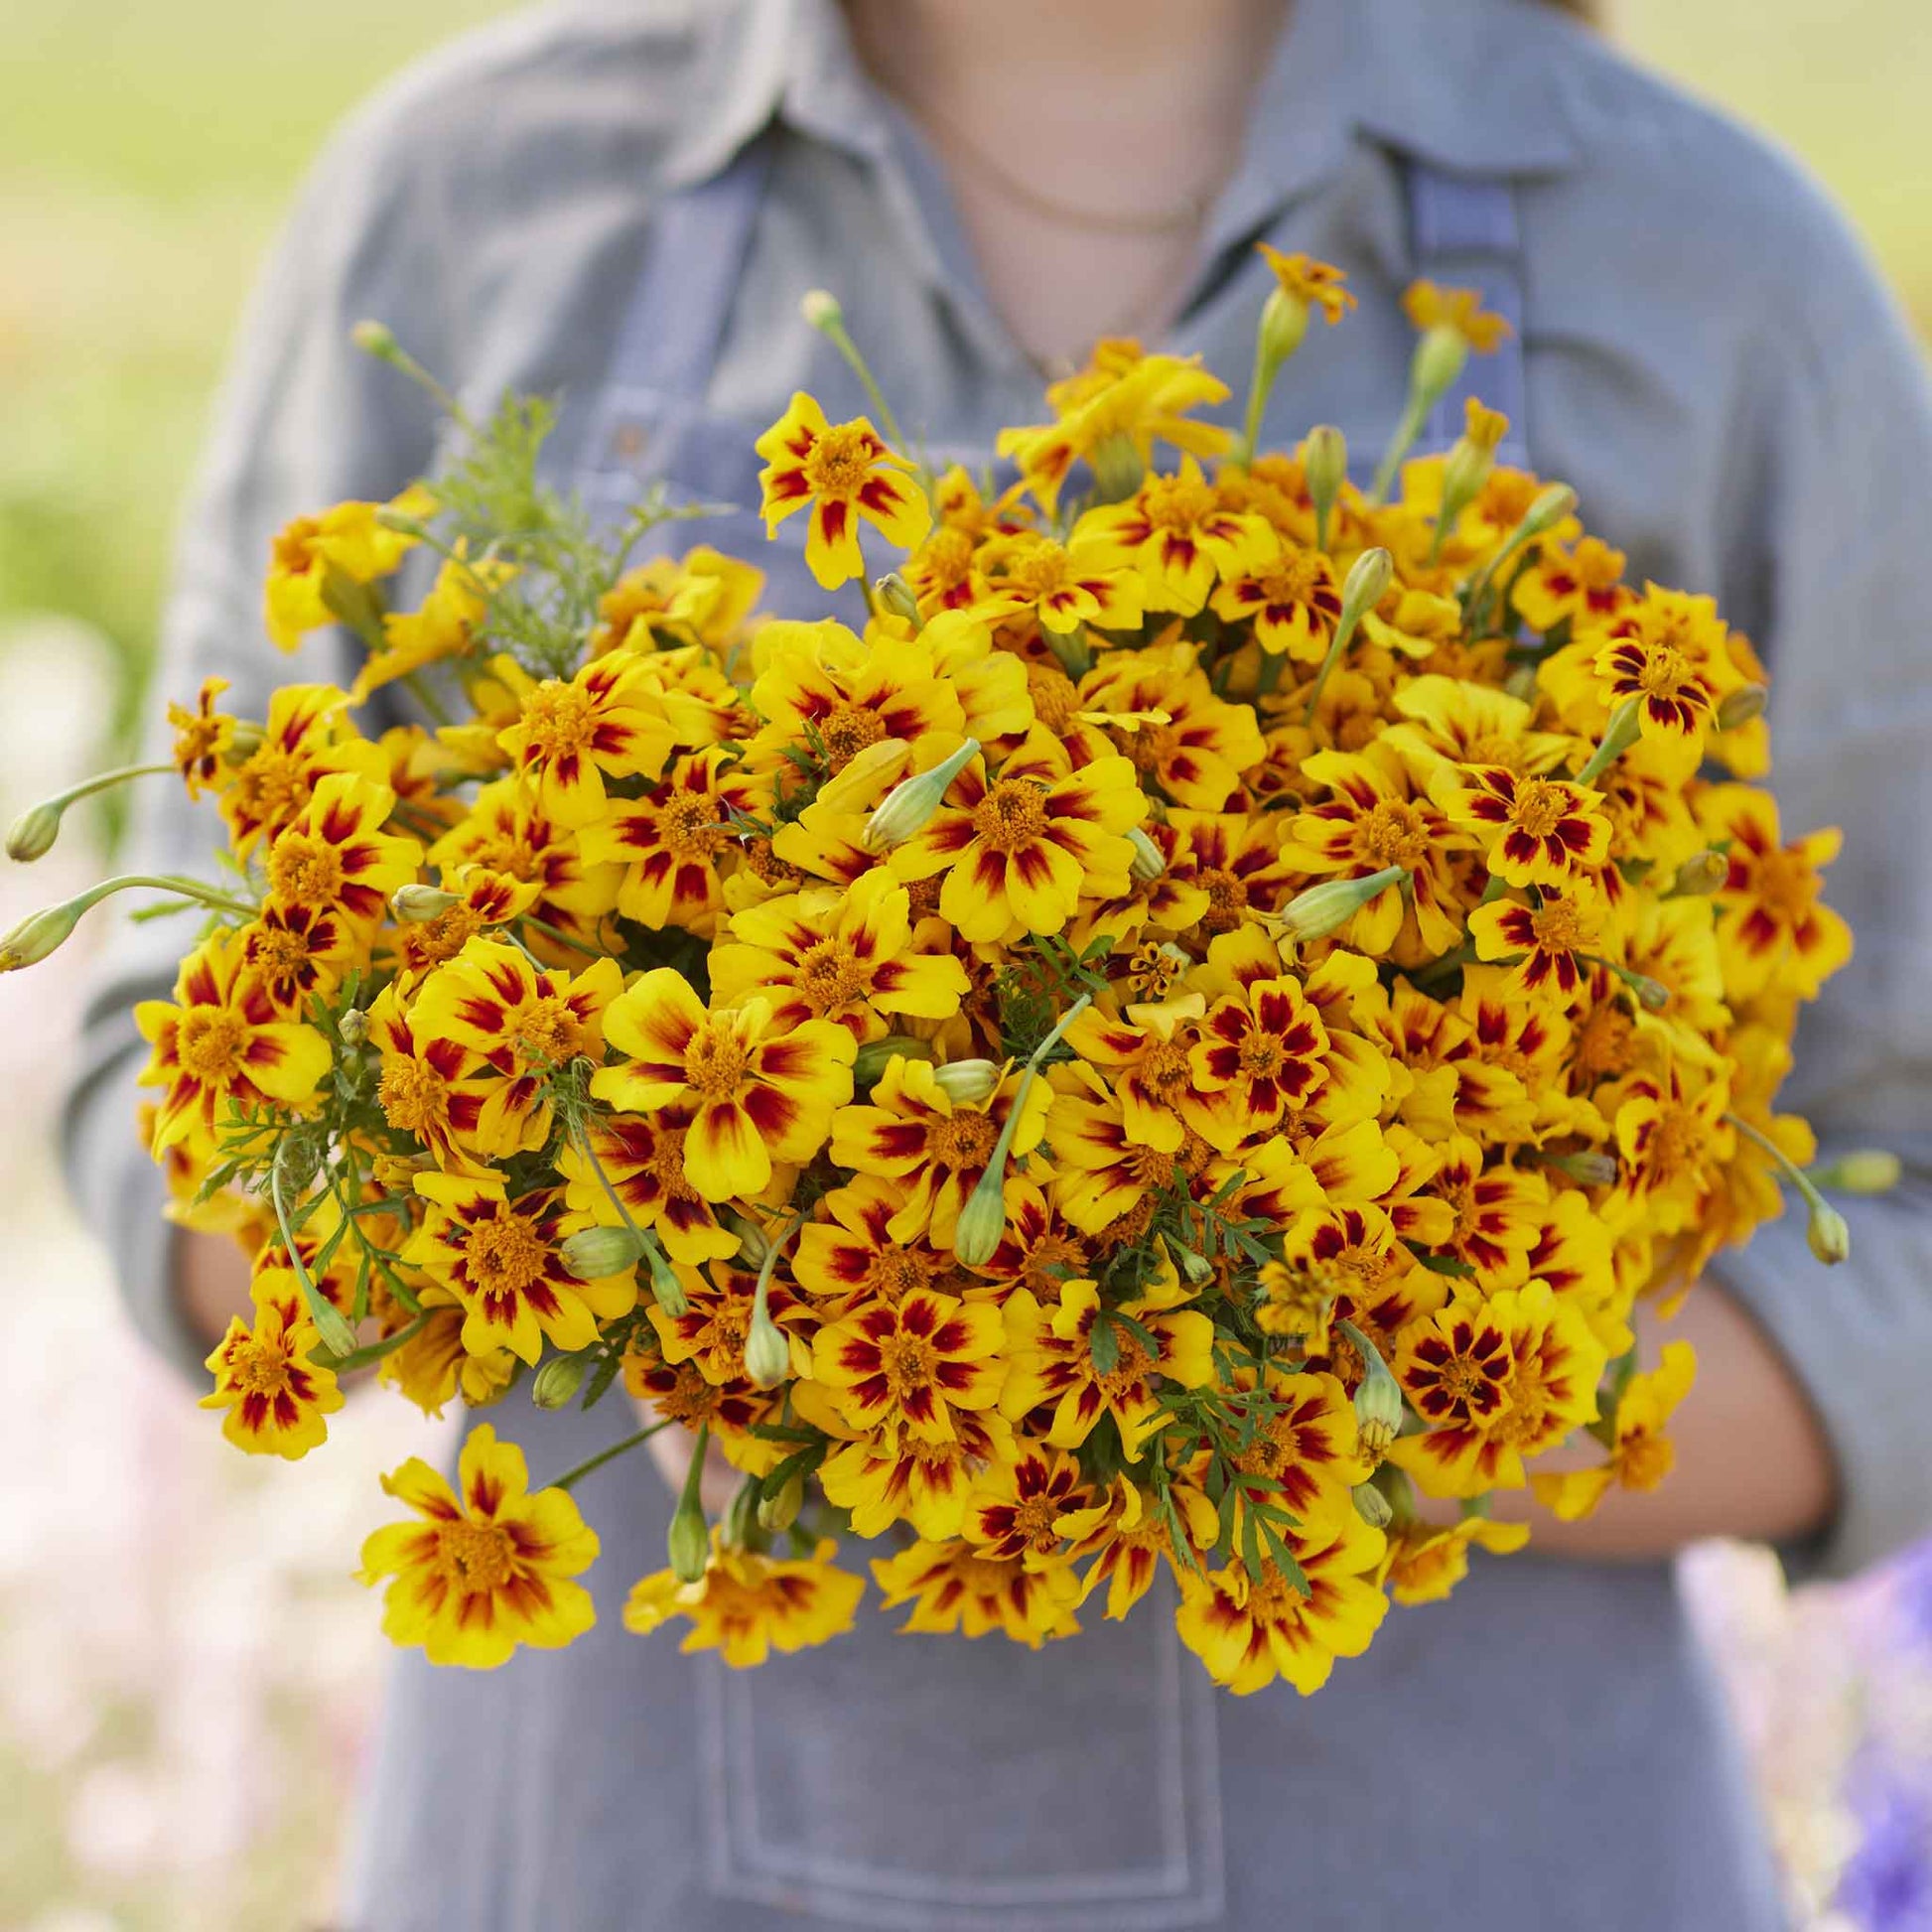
(912, 803)
(1149, 861)
(689, 1542)
(1588, 1168)
(894, 595)
(375, 339)
(558, 1380)
(1372, 1506)
(1827, 1235)
(966, 1083)
(868, 1065)
(820, 308)
(34, 833)
(767, 1356)
(1865, 1170)
(596, 1253)
(39, 934)
(1362, 589)
(780, 1510)
(983, 1220)
(354, 1026)
(244, 742)
(1440, 359)
(665, 1287)
(1652, 995)
(1328, 907)
(415, 905)
(752, 1247)
(1378, 1398)
(1740, 707)
(1284, 323)
(1196, 1267)
(1464, 471)
(1546, 512)
(1701, 874)
(1325, 465)
(1118, 467)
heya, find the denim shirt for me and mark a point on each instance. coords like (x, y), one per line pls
(1711, 362)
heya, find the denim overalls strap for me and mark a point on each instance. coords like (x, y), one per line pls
(1464, 232)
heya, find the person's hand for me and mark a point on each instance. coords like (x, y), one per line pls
(670, 1449)
(211, 1283)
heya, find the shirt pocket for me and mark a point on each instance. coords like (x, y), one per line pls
(927, 1784)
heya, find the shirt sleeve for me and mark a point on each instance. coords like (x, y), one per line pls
(303, 420)
(1834, 572)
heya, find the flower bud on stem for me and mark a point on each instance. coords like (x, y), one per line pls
(768, 1354)
(689, 1542)
(821, 309)
(1368, 579)
(1284, 324)
(378, 340)
(1438, 362)
(1825, 1233)
(868, 1065)
(40, 933)
(1378, 1398)
(910, 805)
(35, 830)
(1549, 509)
(1618, 736)
(1328, 907)
(1325, 468)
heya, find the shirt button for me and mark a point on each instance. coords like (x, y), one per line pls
(629, 442)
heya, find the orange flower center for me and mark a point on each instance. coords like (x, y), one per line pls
(1012, 815)
(715, 1062)
(1559, 926)
(848, 731)
(1393, 834)
(1675, 1146)
(907, 1362)
(1300, 577)
(1604, 1043)
(1227, 899)
(294, 546)
(1177, 504)
(1048, 1257)
(1643, 1459)
(305, 871)
(1262, 1056)
(1055, 695)
(276, 953)
(1540, 807)
(270, 787)
(432, 941)
(261, 1368)
(505, 1256)
(1786, 884)
(1042, 570)
(829, 976)
(1495, 748)
(690, 1399)
(547, 1033)
(947, 560)
(961, 1140)
(559, 719)
(1665, 671)
(209, 1042)
(474, 1557)
(413, 1096)
(1130, 1368)
(1033, 1520)
(896, 1272)
(838, 461)
(688, 827)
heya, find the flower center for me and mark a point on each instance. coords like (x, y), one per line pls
(839, 461)
(896, 1272)
(1042, 570)
(270, 787)
(474, 1557)
(848, 731)
(209, 1042)
(547, 1033)
(262, 1368)
(1034, 1518)
(908, 1363)
(432, 941)
(1175, 505)
(829, 976)
(295, 545)
(1227, 899)
(1495, 748)
(278, 954)
(1301, 577)
(1393, 834)
(506, 1256)
(947, 560)
(1262, 1056)
(559, 718)
(1787, 885)
(1130, 1368)
(715, 1062)
(961, 1140)
(413, 1096)
(1664, 671)
(1559, 926)
(1540, 807)
(1012, 815)
(1604, 1043)
(1056, 696)
(303, 871)
(687, 825)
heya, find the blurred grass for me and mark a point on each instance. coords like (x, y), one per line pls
(146, 151)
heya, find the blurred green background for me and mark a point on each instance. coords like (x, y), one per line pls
(147, 149)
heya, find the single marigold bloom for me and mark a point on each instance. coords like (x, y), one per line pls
(488, 1565)
(433, 1368)
(1668, 652)
(1672, 1138)
(1020, 848)
(1498, 1212)
(1104, 1182)
(1537, 831)
(850, 958)
(202, 738)
(702, 597)
(348, 543)
(305, 736)
(1292, 599)
(747, 1605)
(1018, 1507)
(1062, 587)
(756, 1094)
(1424, 1565)
(1144, 1057)
(298, 952)
(220, 1044)
(1175, 532)
(1301, 1443)
(1548, 946)
(275, 1395)
(1302, 278)
(640, 1159)
(503, 1260)
(1584, 584)
(846, 474)
(444, 625)
(1249, 1631)
(1128, 1538)
(1773, 934)
(523, 1025)
(890, 1478)
(1260, 1052)
(852, 1256)
(569, 737)
(952, 1585)
(1641, 1454)
(1457, 311)
(484, 899)
(429, 1087)
(1165, 715)
(907, 1366)
(336, 857)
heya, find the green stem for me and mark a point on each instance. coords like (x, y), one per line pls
(101, 781)
(570, 1477)
(338, 1336)
(1414, 415)
(376, 1350)
(1618, 736)
(418, 687)
(1780, 1160)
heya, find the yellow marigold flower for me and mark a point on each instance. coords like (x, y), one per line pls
(1062, 587)
(1424, 1565)
(1641, 1454)
(908, 1365)
(1016, 1510)
(1498, 1211)
(887, 1478)
(336, 857)
(433, 1367)
(202, 738)
(305, 737)
(607, 721)
(1249, 1631)
(951, 1587)
(702, 596)
(1145, 1056)
(346, 543)
(218, 1043)
(1314, 283)
(853, 1256)
(747, 1605)
(1260, 1051)
(1547, 946)
(1302, 1442)
(846, 957)
(934, 1149)
(1129, 1539)
(1458, 311)
(757, 1095)
(1173, 727)
(1537, 831)
(524, 1026)
(1672, 1138)
(1668, 652)
(1292, 597)
(488, 1566)
(503, 1261)
(641, 1160)
(1053, 1359)
(275, 1395)
(296, 953)
(1584, 584)
(1021, 849)
(847, 475)
(483, 899)
(445, 626)
(716, 1322)
(1175, 532)
(1773, 932)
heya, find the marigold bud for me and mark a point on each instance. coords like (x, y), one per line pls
(1324, 466)
(373, 337)
(1196, 1267)
(1362, 589)
(1328, 907)
(1740, 707)
(821, 309)
(983, 1220)
(912, 803)
(967, 1082)
(596, 1253)
(558, 1380)
(665, 1287)
(1284, 324)
(1865, 1170)
(1118, 467)
(34, 833)
(689, 1542)
(767, 1356)
(1149, 861)
(894, 595)
(354, 1026)
(39, 934)
(752, 1247)
(1549, 509)
(1378, 1398)
(780, 1510)
(1587, 1168)
(1827, 1235)
(868, 1065)
(415, 905)
(1372, 1506)
(1701, 874)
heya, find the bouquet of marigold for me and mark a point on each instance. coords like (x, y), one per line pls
(1178, 1045)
